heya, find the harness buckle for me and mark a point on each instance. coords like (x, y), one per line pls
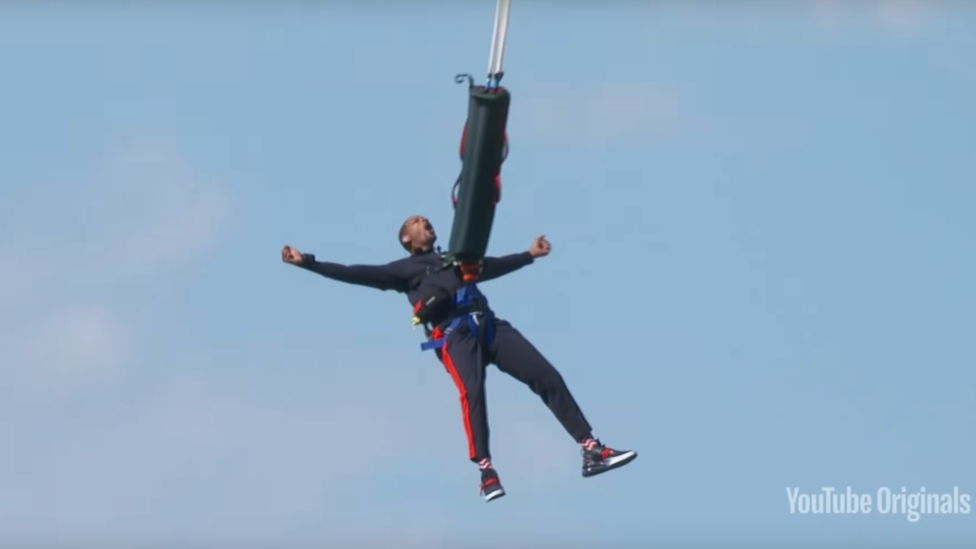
(470, 303)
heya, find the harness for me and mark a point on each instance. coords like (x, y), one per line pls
(470, 305)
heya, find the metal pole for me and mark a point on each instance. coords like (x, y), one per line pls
(495, 61)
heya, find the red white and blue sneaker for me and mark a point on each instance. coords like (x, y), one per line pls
(491, 487)
(600, 459)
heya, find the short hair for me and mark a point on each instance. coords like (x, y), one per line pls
(403, 233)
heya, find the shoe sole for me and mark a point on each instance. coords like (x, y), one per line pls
(494, 495)
(613, 463)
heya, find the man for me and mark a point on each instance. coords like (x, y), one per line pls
(468, 337)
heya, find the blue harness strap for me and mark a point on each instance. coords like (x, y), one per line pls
(466, 297)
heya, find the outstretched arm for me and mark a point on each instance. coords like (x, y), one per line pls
(496, 267)
(392, 276)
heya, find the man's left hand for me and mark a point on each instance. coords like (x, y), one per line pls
(541, 247)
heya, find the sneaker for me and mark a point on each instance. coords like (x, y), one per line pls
(491, 487)
(602, 459)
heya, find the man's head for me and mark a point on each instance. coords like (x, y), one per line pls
(417, 234)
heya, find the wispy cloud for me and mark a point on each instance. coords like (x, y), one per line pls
(69, 345)
(618, 114)
(76, 257)
(585, 115)
(72, 265)
(902, 18)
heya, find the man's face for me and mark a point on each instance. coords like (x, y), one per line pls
(418, 233)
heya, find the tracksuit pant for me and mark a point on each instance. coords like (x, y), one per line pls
(466, 359)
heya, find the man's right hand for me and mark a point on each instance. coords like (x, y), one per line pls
(291, 255)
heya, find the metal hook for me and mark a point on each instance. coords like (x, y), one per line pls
(462, 77)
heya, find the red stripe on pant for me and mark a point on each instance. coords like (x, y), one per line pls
(465, 405)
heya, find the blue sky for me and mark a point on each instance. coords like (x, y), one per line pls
(762, 269)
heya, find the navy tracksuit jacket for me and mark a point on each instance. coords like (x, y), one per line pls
(464, 354)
